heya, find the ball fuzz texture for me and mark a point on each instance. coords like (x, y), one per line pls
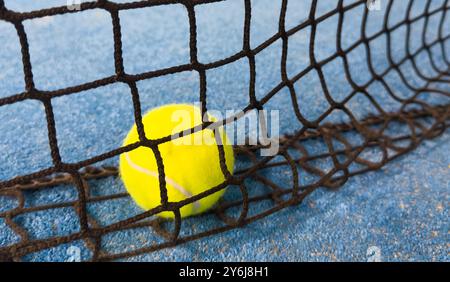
(191, 163)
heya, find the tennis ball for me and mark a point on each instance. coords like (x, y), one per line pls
(191, 163)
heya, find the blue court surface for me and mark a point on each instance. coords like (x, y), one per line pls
(397, 213)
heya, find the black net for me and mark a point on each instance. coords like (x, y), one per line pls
(386, 133)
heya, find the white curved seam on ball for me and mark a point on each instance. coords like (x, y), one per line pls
(170, 181)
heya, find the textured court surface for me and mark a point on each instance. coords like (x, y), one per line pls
(400, 211)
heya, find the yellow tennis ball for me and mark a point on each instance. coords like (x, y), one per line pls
(191, 163)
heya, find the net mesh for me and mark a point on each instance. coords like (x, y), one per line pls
(389, 134)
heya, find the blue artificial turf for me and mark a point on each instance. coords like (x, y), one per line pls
(400, 210)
